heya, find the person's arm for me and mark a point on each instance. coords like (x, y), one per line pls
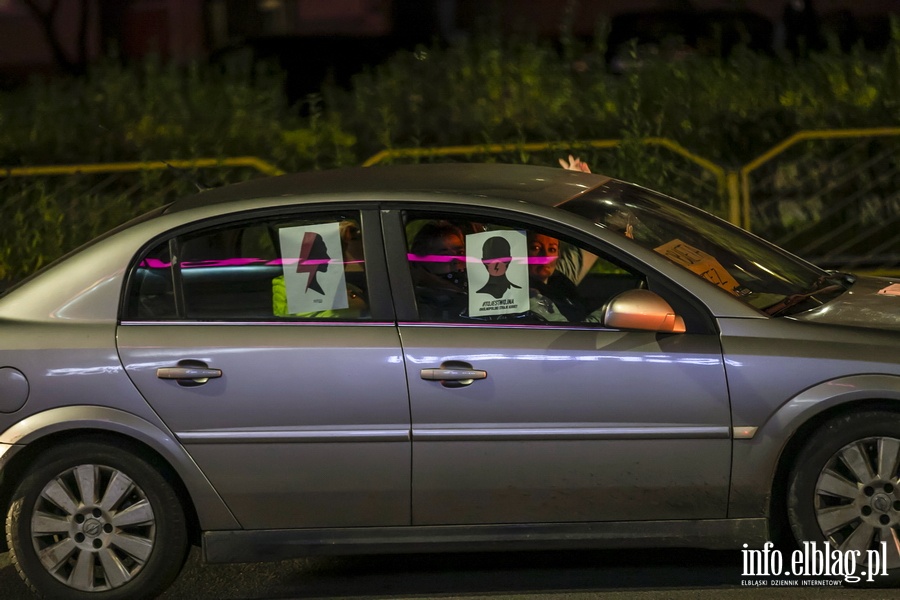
(576, 271)
(574, 262)
(587, 261)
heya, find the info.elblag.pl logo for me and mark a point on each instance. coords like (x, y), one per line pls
(813, 564)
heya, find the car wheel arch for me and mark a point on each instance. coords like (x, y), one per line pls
(787, 458)
(759, 460)
(19, 465)
(120, 526)
(42, 430)
(824, 400)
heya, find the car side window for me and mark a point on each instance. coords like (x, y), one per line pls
(277, 269)
(468, 271)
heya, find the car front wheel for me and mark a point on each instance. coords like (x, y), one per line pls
(92, 520)
(845, 490)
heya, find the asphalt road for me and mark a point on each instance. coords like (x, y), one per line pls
(642, 575)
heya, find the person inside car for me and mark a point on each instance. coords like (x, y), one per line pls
(357, 305)
(552, 279)
(438, 267)
(438, 251)
(556, 268)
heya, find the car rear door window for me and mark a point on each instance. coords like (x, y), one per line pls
(310, 268)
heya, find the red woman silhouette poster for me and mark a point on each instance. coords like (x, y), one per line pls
(313, 267)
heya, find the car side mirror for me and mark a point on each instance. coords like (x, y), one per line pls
(643, 310)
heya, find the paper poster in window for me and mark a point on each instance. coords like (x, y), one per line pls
(703, 264)
(313, 268)
(497, 272)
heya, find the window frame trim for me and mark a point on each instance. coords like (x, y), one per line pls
(401, 279)
(380, 304)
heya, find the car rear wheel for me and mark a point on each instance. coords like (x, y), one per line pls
(93, 521)
(844, 489)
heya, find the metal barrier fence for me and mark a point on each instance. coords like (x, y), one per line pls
(830, 196)
(673, 168)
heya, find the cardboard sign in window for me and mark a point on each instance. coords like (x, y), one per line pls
(497, 272)
(313, 267)
(703, 264)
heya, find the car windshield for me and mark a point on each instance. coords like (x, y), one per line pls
(745, 266)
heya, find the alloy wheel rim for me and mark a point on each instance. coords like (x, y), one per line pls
(92, 528)
(857, 498)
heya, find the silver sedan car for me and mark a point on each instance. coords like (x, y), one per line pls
(437, 358)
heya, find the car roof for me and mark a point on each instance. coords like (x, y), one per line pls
(524, 183)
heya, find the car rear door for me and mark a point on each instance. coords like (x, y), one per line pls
(268, 346)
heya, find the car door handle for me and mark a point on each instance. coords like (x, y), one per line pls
(453, 374)
(188, 375)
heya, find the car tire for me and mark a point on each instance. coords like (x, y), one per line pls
(844, 491)
(93, 520)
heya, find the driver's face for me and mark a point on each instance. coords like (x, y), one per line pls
(546, 250)
(454, 248)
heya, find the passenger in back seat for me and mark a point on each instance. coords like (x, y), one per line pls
(353, 265)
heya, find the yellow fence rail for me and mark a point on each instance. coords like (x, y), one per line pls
(801, 136)
(157, 165)
(876, 194)
(734, 184)
(726, 180)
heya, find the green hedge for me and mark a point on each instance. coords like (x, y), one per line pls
(486, 90)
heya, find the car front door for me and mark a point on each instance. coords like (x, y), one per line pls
(523, 418)
(268, 347)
